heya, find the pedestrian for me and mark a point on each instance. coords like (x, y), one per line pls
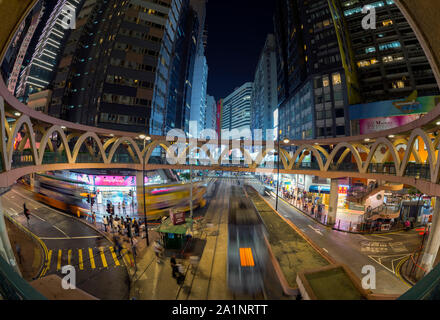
(110, 222)
(180, 274)
(313, 209)
(134, 243)
(136, 228)
(174, 268)
(123, 207)
(118, 246)
(18, 250)
(105, 222)
(119, 207)
(158, 249)
(94, 218)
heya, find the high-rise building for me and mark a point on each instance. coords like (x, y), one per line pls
(128, 66)
(200, 77)
(39, 73)
(312, 87)
(391, 65)
(14, 59)
(264, 93)
(210, 115)
(236, 110)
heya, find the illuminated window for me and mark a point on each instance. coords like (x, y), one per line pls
(325, 81)
(387, 22)
(336, 79)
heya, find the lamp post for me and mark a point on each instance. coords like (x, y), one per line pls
(278, 168)
(146, 138)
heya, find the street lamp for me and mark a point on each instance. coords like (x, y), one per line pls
(278, 168)
(145, 138)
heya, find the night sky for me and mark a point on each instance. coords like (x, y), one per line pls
(237, 31)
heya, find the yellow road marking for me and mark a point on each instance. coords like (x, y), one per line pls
(104, 260)
(92, 260)
(114, 256)
(80, 257)
(60, 252)
(69, 257)
(49, 256)
(399, 265)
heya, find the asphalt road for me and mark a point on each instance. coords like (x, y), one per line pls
(384, 252)
(69, 241)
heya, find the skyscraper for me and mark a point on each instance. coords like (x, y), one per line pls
(128, 66)
(38, 75)
(236, 110)
(264, 92)
(210, 115)
(312, 87)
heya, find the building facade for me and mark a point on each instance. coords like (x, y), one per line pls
(128, 66)
(210, 115)
(264, 93)
(391, 67)
(312, 88)
(236, 109)
(40, 72)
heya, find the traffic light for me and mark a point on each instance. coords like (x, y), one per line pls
(108, 208)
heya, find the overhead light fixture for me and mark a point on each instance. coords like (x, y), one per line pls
(63, 127)
(112, 135)
(148, 138)
(391, 136)
(367, 140)
(17, 114)
(286, 140)
(142, 136)
(438, 123)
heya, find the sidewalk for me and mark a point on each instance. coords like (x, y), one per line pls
(208, 280)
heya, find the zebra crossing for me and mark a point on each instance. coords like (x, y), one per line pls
(86, 259)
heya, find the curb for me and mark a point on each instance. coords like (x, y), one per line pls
(332, 227)
(304, 236)
(43, 248)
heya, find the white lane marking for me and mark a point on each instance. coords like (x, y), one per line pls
(61, 231)
(316, 230)
(325, 250)
(70, 238)
(32, 214)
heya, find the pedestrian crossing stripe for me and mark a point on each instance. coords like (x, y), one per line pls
(60, 252)
(104, 260)
(80, 256)
(92, 260)
(49, 256)
(69, 257)
(57, 258)
(115, 258)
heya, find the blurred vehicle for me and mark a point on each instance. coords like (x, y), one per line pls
(161, 198)
(247, 251)
(62, 195)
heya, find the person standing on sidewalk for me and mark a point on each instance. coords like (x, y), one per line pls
(136, 228)
(105, 222)
(110, 222)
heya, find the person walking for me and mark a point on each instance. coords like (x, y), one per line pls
(105, 222)
(110, 222)
(93, 218)
(174, 268)
(158, 249)
(18, 250)
(136, 227)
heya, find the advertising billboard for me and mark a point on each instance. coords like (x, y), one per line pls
(393, 108)
(372, 125)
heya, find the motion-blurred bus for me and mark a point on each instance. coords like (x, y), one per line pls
(161, 198)
(61, 194)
